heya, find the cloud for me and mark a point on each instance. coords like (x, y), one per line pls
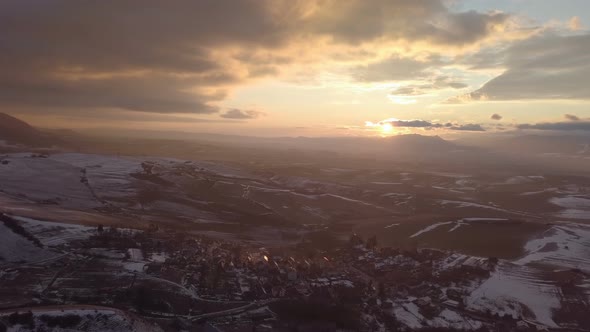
(354, 21)
(575, 24)
(467, 127)
(242, 115)
(540, 68)
(118, 116)
(185, 56)
(558, 126)
(158, 93)
(412, 123)
(496, 117)
(427, 125)
(437, 83)
(571, 117)
(397, 68)
(491, 57)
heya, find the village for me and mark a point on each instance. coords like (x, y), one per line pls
(179, 280)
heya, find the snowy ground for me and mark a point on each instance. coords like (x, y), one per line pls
(409, 314)
(53, 233)
(15, 248)
(92, 319)
(574, 207)
(519, 286)
(564, 246)
(456, 224)
(511, 288)
(43, 179)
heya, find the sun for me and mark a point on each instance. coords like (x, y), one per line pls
(386, 128)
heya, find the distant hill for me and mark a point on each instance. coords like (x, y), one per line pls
(551, 144)
(419, 144)
(542, 144)
(15, 131)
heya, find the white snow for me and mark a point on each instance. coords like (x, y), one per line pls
(458, 223)
(521, 179)
(431, 227)
(406, 176)
(574, 202)
(93, 319)
(512, 286)
(45, 179)
(109, 176)
(451, 319)
(575, 207)
(159, 257)
(560, 246)
(484, 219)
(531, 193)
(522, 282)
(135, 254)
(456, 259)
(134, 266)
(15, 248)
(53, 233)
(462, 204)
(409, 315)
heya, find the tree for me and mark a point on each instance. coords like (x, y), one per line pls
(372, 242)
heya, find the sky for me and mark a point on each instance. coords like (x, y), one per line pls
(298, 67)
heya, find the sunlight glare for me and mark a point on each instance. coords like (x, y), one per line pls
(386, 128)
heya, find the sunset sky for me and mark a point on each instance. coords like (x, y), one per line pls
(298, 67)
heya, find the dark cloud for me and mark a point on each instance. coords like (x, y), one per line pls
(571, 117)
(159, 93)
(544, 67)
(432, 125)
(467, 127)
(486, 58)
(558, 126)
(123, 116)
(172, 56)
(110, 54)
(412, 123)
(241, 114)
(496, 117)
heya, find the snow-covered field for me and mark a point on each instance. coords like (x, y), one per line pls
(15, 248)
(409, 314)
(520, 286)
(91, 319)
(109, 176)
(574, 207)
(513, 288)
(43, 179)
(53, 233)
(564, 246)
